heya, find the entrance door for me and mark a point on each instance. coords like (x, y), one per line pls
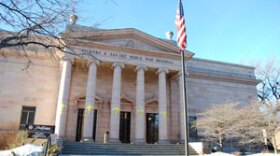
(125, 127)
(80, 124)
(152, 128)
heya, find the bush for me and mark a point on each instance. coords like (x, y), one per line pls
(12, 139)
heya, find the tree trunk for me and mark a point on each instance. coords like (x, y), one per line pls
(221, 142)
(274, 145)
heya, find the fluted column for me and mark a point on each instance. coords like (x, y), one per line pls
(181, 108)
(162, 106)
(116, 103)
(63, 97)
(140, 105)
(90, 101)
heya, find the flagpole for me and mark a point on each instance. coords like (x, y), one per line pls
(186, 125)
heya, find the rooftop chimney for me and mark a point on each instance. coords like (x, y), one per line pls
(169, 35)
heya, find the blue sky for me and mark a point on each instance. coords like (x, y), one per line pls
(235, 31)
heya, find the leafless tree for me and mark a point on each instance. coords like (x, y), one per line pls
(269, 86)
(269, 95)
(216, 123)
(249, 125)
(33, 22)
(243, 125)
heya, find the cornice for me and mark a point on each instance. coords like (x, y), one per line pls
(223, 63)
(221, 77)
(31, 54)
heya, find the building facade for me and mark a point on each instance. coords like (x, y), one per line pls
(122, 83)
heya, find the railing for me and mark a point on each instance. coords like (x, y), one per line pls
(47, 146)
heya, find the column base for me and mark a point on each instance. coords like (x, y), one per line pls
(182, 141)
(163, 142)
(114, 140)
(59, 142)
(87, 140)
(140, 141)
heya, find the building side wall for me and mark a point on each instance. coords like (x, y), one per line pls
(36, 86)
(203, 93)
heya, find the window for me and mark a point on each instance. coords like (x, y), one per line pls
(192, 127)
(27, 116)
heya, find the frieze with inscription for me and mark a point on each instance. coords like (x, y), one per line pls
(132, 58)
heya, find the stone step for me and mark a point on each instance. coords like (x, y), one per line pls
(76, 148)
(115, 155)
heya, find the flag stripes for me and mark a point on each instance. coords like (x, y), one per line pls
(180, 25)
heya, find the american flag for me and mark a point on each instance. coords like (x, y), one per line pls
(180, 25)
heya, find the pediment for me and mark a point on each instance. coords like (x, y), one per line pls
(151, 101)
(83, 98)
(131, 38)
(132, 43)
(126, 100)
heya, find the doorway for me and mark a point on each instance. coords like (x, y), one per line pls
(125, 127)
(80, 124)
(152, 121)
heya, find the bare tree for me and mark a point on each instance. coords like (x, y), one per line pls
(216, 123)
(232, 123)
(249, 125)
(269, 95)
(269, 86)
(33, 22)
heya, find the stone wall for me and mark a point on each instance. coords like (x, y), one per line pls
(37, 86)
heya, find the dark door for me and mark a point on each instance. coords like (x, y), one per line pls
(80, 124)
(125, 127)
(94, 125)
(152, 128)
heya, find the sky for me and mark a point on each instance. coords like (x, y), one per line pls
(234, 31)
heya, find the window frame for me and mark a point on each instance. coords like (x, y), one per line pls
(29, 110)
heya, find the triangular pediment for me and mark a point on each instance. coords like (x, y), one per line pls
(132, 43)
(83, 98)
(129, 37)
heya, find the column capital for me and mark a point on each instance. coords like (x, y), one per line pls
(162, 70)
(116, 64)
(179, 73)
(138, 67)
(95, 61)
(67, 58)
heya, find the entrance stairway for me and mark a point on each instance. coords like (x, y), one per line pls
(76, 148)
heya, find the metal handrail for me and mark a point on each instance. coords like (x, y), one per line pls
(47, 146)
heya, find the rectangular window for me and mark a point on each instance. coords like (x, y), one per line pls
(27, 116)
(192, 127)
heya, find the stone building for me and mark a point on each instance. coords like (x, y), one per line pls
(121, 81)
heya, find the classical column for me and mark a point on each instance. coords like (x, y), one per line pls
(116, 103)
(90, 100)
(63, 97)
(162, 106)
(181, 107)
(140, 105)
